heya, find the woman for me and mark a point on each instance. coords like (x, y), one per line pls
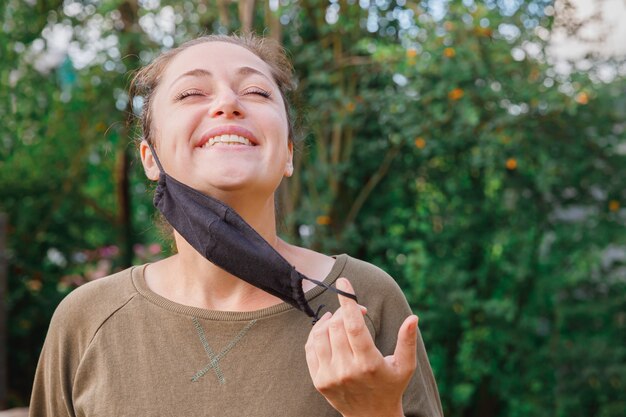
(184, 337)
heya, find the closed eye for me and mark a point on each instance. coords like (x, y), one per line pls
(188, 93)
(258, 91)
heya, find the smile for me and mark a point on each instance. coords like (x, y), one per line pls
(227, 140)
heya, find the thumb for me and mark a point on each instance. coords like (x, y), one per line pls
(405, 353)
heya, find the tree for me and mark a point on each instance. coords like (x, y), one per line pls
(439, 144)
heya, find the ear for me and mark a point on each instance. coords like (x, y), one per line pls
(289, 164)
(147, 159)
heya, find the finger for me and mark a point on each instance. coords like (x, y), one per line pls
(405, 353)
(339, 344)
(356, 331)
(344, 299)
(309, 349)
(311, 360)
(344, 285)
(319, 341)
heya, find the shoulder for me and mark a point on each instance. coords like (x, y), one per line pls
(74, 324)
(368, 278)
(387, 306)
(308, 262)
(86, 308)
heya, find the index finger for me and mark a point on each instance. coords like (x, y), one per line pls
(344, 286)
(358, 335)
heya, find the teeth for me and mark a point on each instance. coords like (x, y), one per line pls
(227, 139)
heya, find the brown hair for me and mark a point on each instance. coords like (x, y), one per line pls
(148, 78)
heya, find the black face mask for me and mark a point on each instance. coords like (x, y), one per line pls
(219, 234)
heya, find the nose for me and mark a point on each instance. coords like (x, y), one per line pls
(226, 104)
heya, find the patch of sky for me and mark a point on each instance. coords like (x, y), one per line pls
(305, 230)
(332, 13)
(405, 18)
(437, 9)
(19, 47)
(50, 50)
(400, 79)
(509, 7)
(567, 88)
(508, 31)
(518, 54)
(72, 8)
(533, 50)
(372, 20)
(382, 4)
(542, 33)
(138, 105)
(530, 23)
(166, 19)
(534, 9)
(56, 257)
(94, 158)
(121, 99)
(149, 4)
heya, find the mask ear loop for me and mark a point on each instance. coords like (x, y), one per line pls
(333, 289)
(317, 314)
(156, 158)
(328, 287)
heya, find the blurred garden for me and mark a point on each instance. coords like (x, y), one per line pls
(438, 141)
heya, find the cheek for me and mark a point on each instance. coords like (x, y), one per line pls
(172, 122)
(280, 124)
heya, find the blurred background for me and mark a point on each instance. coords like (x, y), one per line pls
(474, 149)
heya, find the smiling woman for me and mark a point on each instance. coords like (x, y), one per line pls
(217, 328)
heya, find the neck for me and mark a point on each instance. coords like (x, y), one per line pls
(203, 284)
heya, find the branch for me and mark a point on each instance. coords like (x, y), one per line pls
(222, 8)
(90, 202)
(246, 15)
(371, 184)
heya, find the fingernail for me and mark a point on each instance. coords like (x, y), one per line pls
(363, 309)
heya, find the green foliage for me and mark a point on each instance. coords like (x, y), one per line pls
(489, 186)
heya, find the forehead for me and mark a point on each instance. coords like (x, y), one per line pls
(216, 57)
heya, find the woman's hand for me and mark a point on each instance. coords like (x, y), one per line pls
(347, 368)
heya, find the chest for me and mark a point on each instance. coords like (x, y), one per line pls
(197, 367)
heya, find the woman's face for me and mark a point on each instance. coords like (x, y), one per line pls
(219, 122)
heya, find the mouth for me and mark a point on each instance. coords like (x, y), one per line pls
(228, 140)
(232, 135)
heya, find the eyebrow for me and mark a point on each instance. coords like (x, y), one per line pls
(200, 72)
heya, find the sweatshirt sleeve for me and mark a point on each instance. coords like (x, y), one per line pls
(73, 326)
(52, 388)
(421, 398)
(387, 309)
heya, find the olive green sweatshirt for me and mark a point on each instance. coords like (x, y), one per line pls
(115, 348)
